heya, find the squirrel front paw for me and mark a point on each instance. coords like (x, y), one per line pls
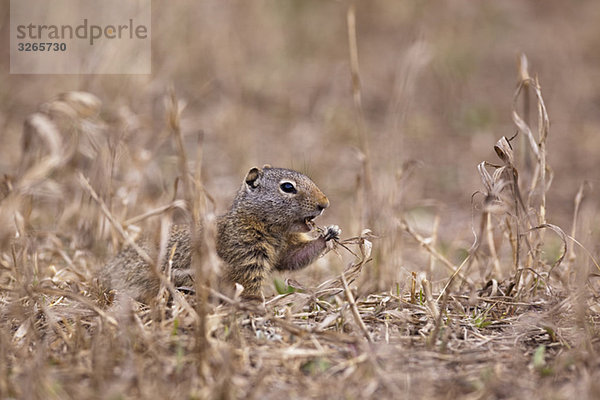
(332, 232)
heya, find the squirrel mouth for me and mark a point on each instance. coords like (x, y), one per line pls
(304, 225)
(309, 223)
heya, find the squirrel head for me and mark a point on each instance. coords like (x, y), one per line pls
(282, 199)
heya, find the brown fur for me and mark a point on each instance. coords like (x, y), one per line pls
(263, 230)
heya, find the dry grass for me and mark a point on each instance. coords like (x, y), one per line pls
(430, 304)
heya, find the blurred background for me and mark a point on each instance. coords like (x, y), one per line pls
(270, 82)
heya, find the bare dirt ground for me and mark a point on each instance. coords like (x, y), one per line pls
(458, 146)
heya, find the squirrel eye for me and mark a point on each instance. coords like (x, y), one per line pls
(288, 187)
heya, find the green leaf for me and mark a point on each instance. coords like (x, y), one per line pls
(316, 366)
(539, 358)
(281, 287)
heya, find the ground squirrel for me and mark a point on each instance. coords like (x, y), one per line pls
(264, 230)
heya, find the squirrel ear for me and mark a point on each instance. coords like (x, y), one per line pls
(267, 166)
(252, 177)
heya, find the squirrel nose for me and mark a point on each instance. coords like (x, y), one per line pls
(323, 204)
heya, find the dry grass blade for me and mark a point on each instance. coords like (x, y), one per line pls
(362, 125)
(352, 271)
(177, 204)
(355, 312)
(455, 274)
(588, 252)
(115, 224)
(538, 147)
(425, 243)
(39, 126)
(563, 238)
(522, 125)
(577, 203)
(81, 300)
(431, 303)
